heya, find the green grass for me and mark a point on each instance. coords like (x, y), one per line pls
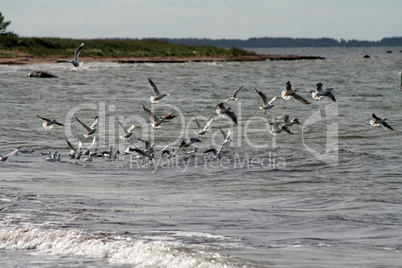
(14, 46)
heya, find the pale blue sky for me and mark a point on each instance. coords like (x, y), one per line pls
(348, 19)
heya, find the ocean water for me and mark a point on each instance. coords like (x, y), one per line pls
(327, 196)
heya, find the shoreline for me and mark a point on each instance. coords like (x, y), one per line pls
(156, 59)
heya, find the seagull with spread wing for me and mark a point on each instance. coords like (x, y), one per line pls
(75, 62)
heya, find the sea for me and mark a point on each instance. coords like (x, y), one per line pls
(328, 195)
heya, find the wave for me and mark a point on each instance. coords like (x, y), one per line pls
(113, 248)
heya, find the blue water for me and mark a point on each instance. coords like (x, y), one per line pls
(327, 196)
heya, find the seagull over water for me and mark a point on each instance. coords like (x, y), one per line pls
(48, 124)
(234, 97)
(156, 121)
(5, 157)
(227, 137)
(75, 60)
(289, 93)
(223, 111)
(202, 131)
(157, 95)
(319, 93)
(90, 129)
(267, 104)
(127, 131)
(377, 121)
(287, 120)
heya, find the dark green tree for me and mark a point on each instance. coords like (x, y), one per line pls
(4, 25)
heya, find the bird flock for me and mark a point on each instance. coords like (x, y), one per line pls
(281, 123)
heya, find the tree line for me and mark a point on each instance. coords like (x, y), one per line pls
(284, 42)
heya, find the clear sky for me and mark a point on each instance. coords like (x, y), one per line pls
(232, 19)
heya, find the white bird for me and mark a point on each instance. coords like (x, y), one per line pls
(75, 62)
(289, 93)
(127, 131)
(48, 124)
(156, 121)
(91, 129)
(202, 131)
(234, 97)
(319, 93)
(157, 95)
(223, 111)
(227, 137)
(267, 104)
(380, 122)
(5, 157)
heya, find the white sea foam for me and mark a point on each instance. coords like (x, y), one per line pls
(113, 248)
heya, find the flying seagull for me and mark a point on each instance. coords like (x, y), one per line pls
(156, 121)
(267, 104)
(91, 129)
(277, 128)
(289, 93)
(287, 120)
(223, 111)
(48, 124)
(127, 131)
(380, 121)
(227, 137)
(157, 95)
(319, 93)
(202, 131)
(234, 97)
(75, 60)
(5, 157)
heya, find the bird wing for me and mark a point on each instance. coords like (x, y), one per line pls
(13, 152)
(169, 116)
(92, 144)
(263, 96)
(45, 119)
(95, 123)
(84, 125)
(71, 146)
(385, 125)
(236, 91)
(375, 117)
(77, 52)
(232, 115)
(211, 119)
(130, 128)
(125, 130)
(154, 88)
(57, 123)
(300, 98)
(331, 96)
(198, 124)
(272, 100)
(150, 114)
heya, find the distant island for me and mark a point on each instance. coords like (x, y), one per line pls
(284, 42)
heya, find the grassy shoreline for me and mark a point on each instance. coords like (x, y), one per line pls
(14, 46)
